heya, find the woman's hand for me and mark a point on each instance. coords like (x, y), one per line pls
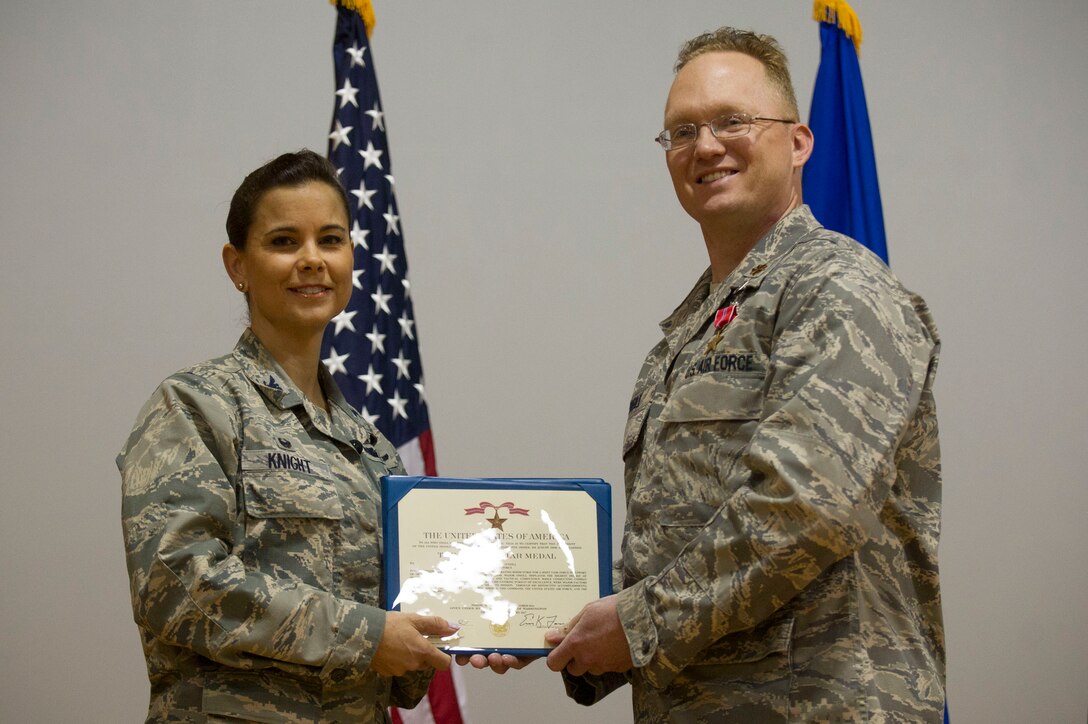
(405, 647)
(499, 663)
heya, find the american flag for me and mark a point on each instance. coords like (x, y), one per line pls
(372, 347)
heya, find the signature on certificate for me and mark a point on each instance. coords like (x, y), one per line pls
(538, 620)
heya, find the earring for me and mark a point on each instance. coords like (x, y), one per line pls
(241, 286)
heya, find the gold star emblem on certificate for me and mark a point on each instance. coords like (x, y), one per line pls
(496, 521)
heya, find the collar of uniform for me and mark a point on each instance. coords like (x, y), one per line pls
(337, 427)
(265, 373)
(686, 319)
(695, 297)
(333, 393)
(775, 244)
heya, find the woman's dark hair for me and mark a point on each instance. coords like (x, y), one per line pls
(290, 169)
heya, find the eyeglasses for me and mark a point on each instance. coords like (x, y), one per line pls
(724, 128)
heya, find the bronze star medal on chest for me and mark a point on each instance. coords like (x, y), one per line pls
(724, 316)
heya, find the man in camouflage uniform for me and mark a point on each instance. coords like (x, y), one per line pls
(782, 463)
(252, 532)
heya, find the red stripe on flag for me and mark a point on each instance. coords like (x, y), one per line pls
(443, 699)
(426, 446)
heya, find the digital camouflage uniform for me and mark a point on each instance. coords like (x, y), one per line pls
(252, 532)
(783, 498)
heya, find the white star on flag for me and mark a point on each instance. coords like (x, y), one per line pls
(364, 196)
(347, 94)
(356, 54)
(355, 274)
(387, 260)
(402, 363)
(335, 362)
(371, 156)
(391, 223)
(398, 405)
(340, 135)
(377, 115)
(377, 340)
(373, 380)
(358, 235)
(343, 321)
(381, 301)
(406, 325)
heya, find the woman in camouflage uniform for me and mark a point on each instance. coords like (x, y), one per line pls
(250, 495)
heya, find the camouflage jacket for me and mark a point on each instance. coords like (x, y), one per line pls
(783, 497)
(252, 532)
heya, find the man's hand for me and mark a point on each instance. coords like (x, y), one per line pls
(499, 663)
(592, 642)
(404, 646)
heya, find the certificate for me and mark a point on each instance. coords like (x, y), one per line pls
(504, 559)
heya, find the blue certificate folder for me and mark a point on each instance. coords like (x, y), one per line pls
(508, 612)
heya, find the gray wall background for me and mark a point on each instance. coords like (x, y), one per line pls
(545, 243)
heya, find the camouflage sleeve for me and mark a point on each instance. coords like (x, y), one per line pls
(407, 690)
(184, 542)
(590, 688)
(848, 361)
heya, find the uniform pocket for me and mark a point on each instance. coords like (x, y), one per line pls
(706, 425)
(291, 495)
(283, 485)
(715, 396)
(752, 645)
(751, 670)
(258, 697)
(662, 528)
(692, 514)
(292, 526)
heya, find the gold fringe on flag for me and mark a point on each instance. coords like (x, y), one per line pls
(839, 12)
(363, 7)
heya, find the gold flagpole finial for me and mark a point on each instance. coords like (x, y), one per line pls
(839, 12)
(363, 7)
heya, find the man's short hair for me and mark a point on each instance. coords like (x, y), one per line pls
(763, 48)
